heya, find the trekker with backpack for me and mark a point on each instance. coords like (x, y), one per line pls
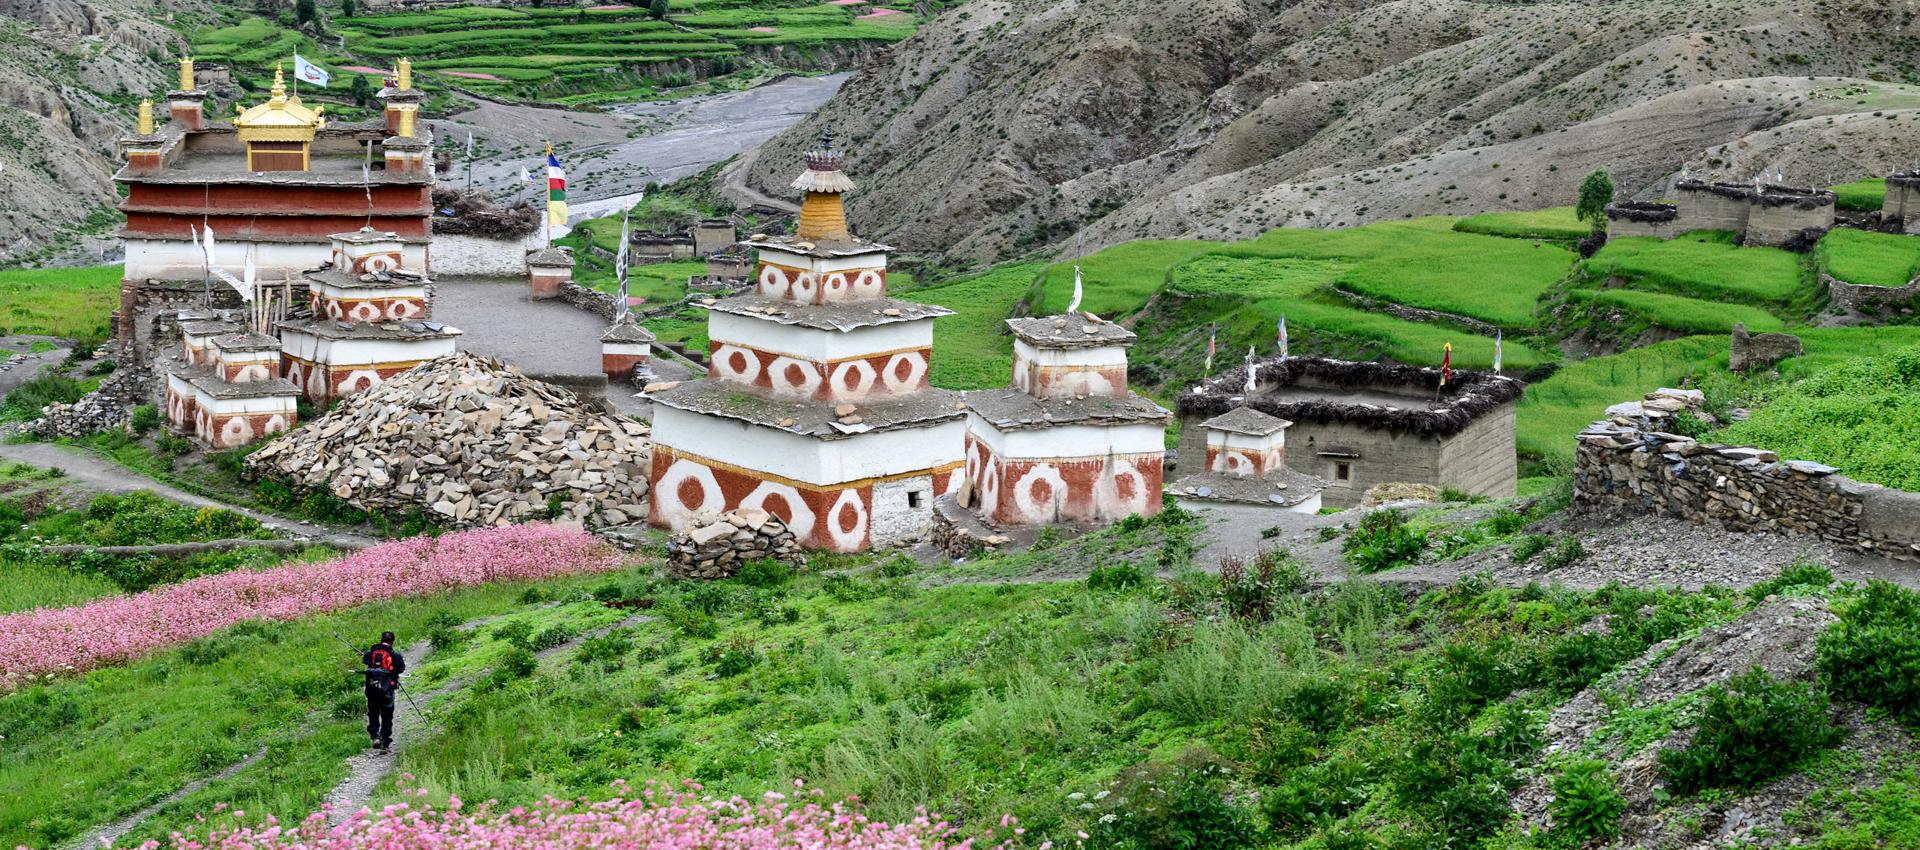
(383, 670)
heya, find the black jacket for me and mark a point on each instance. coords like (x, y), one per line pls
(384, 666)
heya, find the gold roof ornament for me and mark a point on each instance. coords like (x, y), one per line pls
(186, 73)
(146, 118)
(405, 74)
(280, 119)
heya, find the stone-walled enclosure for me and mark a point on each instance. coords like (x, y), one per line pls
(1356, 425)
(1847, 297)
(1903, 200)
(1627, 463)
(1641, 218)
(1762, 215)
(1760, 351)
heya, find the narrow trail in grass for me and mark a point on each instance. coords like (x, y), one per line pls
(367, 770)
(108, 834)
(104, 475)
(28, 367)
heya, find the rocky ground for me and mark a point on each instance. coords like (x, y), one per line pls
(1008, 124)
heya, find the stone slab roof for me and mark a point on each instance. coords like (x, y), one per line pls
(811, 418)
(213, 386)
(1246, 420)
(395, 279)
(247, 342)
(1282, 488)
(329, 329)
(822, 248)
(211, 327)
(626, 332)
(844, 316)
(1009, 409)
(1070, 330)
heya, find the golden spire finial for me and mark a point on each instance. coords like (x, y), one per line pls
(279, 84)
(186, 73)
(406, 124)
(406, 73)
(146, 118)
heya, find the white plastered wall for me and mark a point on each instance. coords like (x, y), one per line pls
(818, 345)
(457, 255)
(875, 454)
(178, 259)
(895, 517)
(1069, 441)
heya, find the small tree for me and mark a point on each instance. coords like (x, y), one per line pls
(347, 8)
(657, 10)
(304, 12)
(1595, 193)
(361, 90)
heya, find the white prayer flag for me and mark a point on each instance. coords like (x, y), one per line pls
(307, 72)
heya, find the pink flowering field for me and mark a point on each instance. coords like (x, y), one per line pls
(650, 820)
(34, 644)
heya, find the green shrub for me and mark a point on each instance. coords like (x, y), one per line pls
(1586, 805)
(898, 566)
(1529, 546)
(144, 418)
(1251, 591)
(1799, 578)
(1119, 576)
(692, 622)
(515, 664)
(25, 401)
(765, 572)
(1505, 522)
(1156, 806)
(1873, 653)
(1752, 729)
(1315, 796)
(1564, 553)
(731, 657)
(1383, 541)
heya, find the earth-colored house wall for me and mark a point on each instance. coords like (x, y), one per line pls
(1903, 202)
(1705, 210)
(1775, 224)
(1621, 228)
(1479, 459)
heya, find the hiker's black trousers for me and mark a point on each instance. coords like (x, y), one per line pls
(380, 716)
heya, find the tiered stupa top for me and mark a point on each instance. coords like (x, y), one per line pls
(819, 329)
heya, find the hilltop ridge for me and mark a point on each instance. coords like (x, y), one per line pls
(1008, 124)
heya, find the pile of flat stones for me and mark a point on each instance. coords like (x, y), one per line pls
(717, 548)
(473, 442)
(104, 409)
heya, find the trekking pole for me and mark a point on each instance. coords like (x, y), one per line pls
(396, 685)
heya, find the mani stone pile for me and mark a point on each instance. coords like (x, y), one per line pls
(718, 548)
(473, 442)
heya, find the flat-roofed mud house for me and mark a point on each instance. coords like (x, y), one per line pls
(816, 406)
(1356, 425)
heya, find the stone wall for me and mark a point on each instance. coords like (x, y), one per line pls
(1628, 464)
(1779, 224)
(1760, 351)
(1857, 297)
(718, 548)
(1636, 218)
(463, 255)
(1903, 201)
(1710, 206)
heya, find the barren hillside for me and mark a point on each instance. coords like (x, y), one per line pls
(71, 75)
(1009, 124)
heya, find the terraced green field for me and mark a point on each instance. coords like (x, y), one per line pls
(558, 53)
(1877, 259)
(1557, 223)
(971, 349)
(69, 302)
(1680, 313)
(1861, 194)
(1705, 265)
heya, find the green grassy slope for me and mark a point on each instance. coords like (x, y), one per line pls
(1877, 259)
(70, 302)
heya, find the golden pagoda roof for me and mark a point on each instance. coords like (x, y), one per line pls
(280, 119)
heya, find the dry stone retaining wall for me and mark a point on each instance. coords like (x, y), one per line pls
(1851, 297)
(718, 548)
(1629, 463)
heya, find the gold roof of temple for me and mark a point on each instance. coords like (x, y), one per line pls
(280, 119)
